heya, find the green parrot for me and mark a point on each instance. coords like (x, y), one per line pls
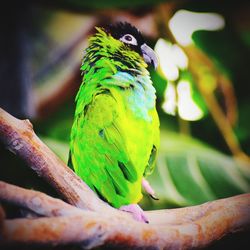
(115, 133)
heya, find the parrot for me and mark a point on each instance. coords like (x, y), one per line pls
(114, 138)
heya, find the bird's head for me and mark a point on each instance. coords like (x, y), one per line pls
(131, 37)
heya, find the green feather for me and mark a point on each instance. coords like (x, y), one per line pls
(116, 124)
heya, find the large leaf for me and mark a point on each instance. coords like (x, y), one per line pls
(189, 172)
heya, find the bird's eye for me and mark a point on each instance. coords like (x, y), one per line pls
(129, 39)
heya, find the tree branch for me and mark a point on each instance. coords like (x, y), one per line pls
(62, 223)
(19, 138)
(179, 228)
(35, 201)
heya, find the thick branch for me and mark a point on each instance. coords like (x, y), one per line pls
(20, 138)
(35, 201)
(89, 231)
(175, 228)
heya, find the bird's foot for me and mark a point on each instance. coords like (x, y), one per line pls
(149, 189)
(136, 211)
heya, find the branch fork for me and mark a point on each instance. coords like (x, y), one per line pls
(88, 221)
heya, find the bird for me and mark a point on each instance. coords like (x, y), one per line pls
(114, 138)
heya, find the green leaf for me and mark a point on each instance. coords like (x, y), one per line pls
(189, 172)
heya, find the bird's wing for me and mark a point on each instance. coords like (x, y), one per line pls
(98, 150)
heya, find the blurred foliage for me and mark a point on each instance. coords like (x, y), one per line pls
(231, 55)
(195, 164)
(58, 125)
(100, 4)
(190, 172)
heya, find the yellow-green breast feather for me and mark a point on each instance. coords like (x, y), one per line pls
(116, 126)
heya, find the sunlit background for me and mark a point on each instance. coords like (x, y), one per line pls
(202, 83)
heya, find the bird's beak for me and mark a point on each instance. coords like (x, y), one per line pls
(149, 55)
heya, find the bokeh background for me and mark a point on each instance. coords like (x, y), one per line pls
(202, 83)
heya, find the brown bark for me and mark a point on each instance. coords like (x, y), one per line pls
(99, 224)
(19, 138)
(189, 227)
(35, 201)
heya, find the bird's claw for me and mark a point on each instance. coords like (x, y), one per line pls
(136, 211)
(149, 189)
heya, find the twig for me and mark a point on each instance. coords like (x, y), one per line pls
(183, 228)
(198, 66)
(212, 103)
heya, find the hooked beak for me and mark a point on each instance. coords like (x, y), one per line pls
(149, 55)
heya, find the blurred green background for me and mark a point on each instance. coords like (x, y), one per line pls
(202, 87)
